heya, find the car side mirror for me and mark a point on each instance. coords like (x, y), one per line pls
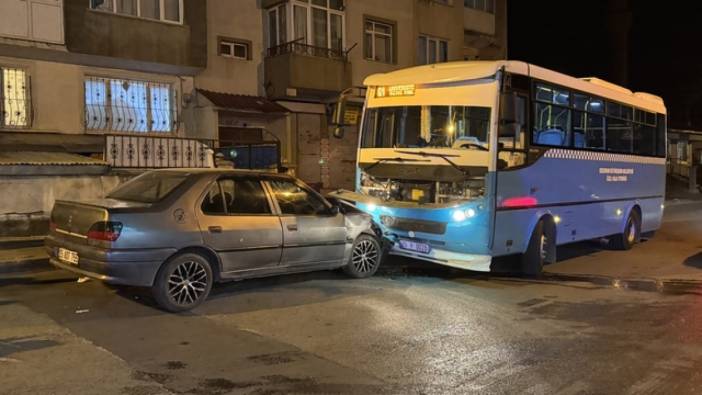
(334, 210)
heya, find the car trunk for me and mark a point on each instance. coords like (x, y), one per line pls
(73, 220)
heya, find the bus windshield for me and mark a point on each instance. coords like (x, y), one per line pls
(426, 126)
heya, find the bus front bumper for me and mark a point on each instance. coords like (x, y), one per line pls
(474, 262)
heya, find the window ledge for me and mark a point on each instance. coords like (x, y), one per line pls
(122, 133)
(380, 62)
(481, 11)
(233, 58)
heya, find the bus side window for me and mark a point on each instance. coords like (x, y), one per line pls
(660, 136)
(551, 125)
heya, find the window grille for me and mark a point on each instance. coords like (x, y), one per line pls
(123, 105)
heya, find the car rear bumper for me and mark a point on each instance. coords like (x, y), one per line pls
(135, 267)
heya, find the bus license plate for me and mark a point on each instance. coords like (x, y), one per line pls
(415, 246)
(68, 256)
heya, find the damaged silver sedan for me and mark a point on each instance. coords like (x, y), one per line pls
(180, 231)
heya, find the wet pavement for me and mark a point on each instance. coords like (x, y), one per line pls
(598, 321)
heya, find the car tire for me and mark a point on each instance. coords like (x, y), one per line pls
(532, 262)
(631, 234)
(183, 282)
(366, 256)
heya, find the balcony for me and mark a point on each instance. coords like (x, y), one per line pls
(301, 71)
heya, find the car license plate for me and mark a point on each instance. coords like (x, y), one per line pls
(415, 246)
(68, 256)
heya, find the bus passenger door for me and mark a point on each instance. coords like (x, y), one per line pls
(511, 152)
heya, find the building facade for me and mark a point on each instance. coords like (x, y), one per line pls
(73, 73)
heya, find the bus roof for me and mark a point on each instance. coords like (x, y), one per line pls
(454, 72)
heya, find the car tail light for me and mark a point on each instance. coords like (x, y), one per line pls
(105, 231)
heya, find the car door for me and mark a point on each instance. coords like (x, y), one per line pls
(236, 221)
(313, 234)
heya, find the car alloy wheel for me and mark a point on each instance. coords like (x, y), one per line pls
(365, 256)
(187, 283)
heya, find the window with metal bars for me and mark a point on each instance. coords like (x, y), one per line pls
(123, 105)
(15, 98)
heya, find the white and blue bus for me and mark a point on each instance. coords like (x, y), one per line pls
(463, 162)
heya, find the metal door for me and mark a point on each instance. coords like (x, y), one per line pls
(236, 221)
(312, 233)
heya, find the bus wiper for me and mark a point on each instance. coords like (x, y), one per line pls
(397, 159)
(435, 155)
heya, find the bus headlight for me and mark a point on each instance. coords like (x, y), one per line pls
(462, 215)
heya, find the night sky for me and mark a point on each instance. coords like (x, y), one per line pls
(659, 51)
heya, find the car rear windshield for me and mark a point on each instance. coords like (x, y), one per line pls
(149, 187)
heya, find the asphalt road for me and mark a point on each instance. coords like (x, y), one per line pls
(599, 322)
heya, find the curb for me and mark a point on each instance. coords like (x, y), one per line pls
(9, 243)
(24, 265)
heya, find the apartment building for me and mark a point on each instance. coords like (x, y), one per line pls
(280, 65)
(79, 75)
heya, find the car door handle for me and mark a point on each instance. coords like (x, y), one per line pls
(292, 228)
(215, 229)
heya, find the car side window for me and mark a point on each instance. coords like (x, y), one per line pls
(242, 196)
(295, 200)
(235, 197)
(213, 204)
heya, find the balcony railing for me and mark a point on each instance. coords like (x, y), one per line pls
(154, 152)
(128, 151)
(297, 47)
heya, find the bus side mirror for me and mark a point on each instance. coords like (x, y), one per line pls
(510, 108)
(338, 117)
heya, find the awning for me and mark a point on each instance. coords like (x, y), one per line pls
(49, 163)
(243, 103)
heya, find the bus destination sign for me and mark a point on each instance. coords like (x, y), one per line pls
(394, 91)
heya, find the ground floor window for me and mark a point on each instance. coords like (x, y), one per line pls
(15, 103)
(123, 105)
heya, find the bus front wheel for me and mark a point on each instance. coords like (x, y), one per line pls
(537, 252)
(631, 234)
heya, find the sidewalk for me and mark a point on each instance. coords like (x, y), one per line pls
(677, 192)
(22, 255)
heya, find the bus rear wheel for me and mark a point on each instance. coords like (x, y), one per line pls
(631, 234)
(533, 259)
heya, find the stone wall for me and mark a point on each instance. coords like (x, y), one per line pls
(26, 202)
